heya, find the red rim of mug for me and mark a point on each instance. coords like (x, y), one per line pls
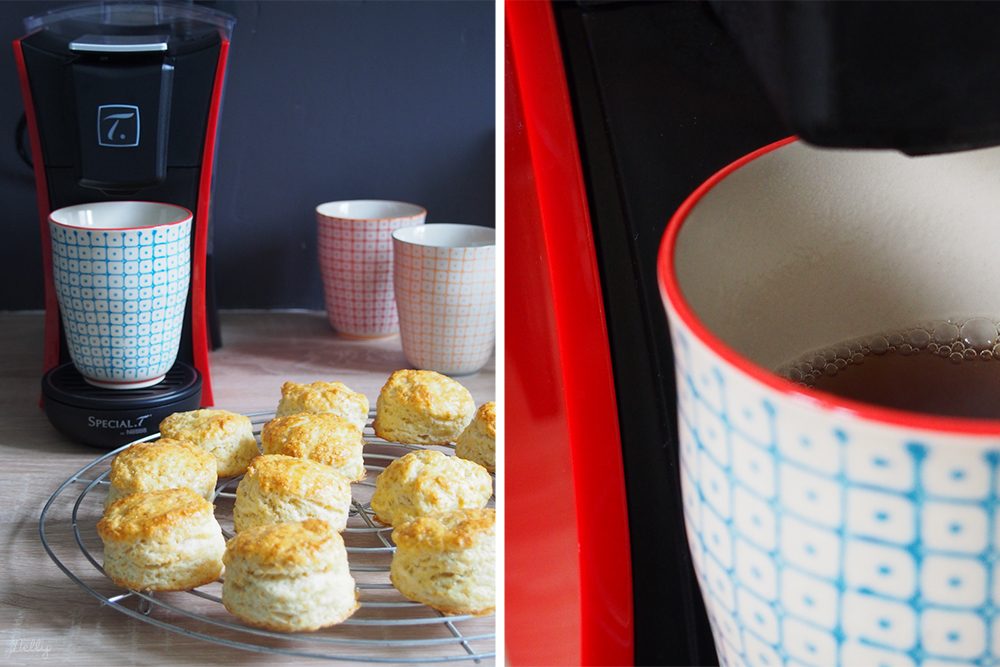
(670, 290)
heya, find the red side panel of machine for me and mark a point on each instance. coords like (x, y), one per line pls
(568, 574)
(51, 354)
(199, 321)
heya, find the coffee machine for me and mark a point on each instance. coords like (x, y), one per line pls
(122, 102)
(616, 112)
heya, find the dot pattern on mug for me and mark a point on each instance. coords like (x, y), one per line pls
(122, 294)
(355, 259)
(446, 299)
(818, 542)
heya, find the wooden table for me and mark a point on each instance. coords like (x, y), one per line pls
(46, 618)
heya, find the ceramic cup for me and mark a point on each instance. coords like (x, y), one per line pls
(444, 279)
(825, 531)
(355, 260)
(121, 271)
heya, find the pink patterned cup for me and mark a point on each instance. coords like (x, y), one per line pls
(355, 259)
(444, 280)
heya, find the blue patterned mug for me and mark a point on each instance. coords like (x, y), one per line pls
(825, 531)
(121, 271)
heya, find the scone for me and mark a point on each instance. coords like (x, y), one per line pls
(167, 540)
(278, 489)
(289, 577)
(428, 482)
(447, 561)
(324, 397)
(478, 440)
(325, 438)
(164, 464)
(422, 407)
(225, 435)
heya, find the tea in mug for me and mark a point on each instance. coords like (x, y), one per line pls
(947, 367)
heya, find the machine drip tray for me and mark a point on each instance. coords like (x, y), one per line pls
(109, 418)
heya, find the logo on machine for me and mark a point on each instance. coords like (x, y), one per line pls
(131, 425)
(118, 125)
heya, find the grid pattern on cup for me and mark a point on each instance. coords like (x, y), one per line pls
(355, 260)
(816, 545)
(122, 295)
(446, 299)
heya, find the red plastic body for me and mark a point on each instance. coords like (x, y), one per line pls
(199, 321)
(50, 356)
(568, 568)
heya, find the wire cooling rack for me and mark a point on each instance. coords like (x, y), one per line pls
(386, 628)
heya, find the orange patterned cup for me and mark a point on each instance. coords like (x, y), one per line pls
(444, 278)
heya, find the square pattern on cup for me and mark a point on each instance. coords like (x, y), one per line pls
(355, 260)
(446, 299)
(131, 330)
(859, 549)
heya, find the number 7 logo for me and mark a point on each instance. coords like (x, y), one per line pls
(118, 125)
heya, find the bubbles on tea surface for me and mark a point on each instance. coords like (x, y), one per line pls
(878, 345)
(945, 333)
(956, 339)
(979, 333)
(919, 338)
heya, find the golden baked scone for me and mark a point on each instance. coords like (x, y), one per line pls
(428, 482)
(324, 397)
(447, 561)
(422, 407)
(279, 489)
(166, 540)
(164, 464)
(325, 438)
(478, 440)
(289, 577)
(225, 435)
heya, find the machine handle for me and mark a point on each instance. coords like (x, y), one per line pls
(119, 43)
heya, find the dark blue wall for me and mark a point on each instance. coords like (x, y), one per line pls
(324, 101)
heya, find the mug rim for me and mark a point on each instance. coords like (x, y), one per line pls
(417, 208)
(398, 234)
(670, 291)
(188, 216)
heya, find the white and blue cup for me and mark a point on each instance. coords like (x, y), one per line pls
(825, 531)
(121, 271)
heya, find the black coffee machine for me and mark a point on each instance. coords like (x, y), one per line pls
(652, 99)
(122, 102)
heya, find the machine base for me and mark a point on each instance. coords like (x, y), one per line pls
(110, 418)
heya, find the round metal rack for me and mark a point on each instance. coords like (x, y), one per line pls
(386, 628)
